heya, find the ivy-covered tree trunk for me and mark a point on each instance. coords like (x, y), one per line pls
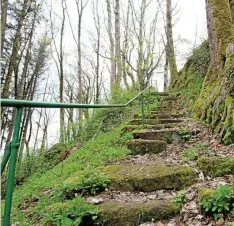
(215, 104)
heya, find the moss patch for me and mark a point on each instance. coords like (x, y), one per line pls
(215, 167)
(135, 213)
(204, 193)
(130, 128)
(146, 146)
(149, 177)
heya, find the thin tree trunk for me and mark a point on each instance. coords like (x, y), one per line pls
(39, 121)
(4, 7)
(14, 55)
(170, 43)
(112, 45)
(117, 43)
(140, 60)
(166, 70)
(61, 78)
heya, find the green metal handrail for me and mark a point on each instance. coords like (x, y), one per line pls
(12, 147)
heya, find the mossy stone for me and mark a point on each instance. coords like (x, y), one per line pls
(135, 213)
(215, 167)
(160, 93)
(169, 135)
(162, 116)
(147, 122)
(130, 128)
(146, 146)
(147, 178)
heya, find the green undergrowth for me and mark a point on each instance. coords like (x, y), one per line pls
(220, 202)
(195, 151)
(49, 187)
(33, 200)
(71, 212)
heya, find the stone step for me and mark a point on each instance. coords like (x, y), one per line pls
(154, 121)
(168, 98)
(130, 128)
(162, 116)
(142, 147)
(160, 94)
(169, 105)
(171, 135)
(116, 213)
(147, 178)
(216, 166)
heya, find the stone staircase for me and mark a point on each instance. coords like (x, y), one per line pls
(163, 126)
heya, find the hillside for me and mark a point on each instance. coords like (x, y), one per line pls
(132, 175)
(88, 140)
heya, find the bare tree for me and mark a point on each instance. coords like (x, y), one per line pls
(96, 47)
(80, 6)
(60, 65)
(4, 6)
(170, 43)
(13, 61)
(112, 44)
(117, 44)
(147, 60)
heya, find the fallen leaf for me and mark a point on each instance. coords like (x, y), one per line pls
(220, 222)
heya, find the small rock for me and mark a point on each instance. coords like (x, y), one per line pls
(152, 197)
(95, 200)
(201, 176)
(190, 196)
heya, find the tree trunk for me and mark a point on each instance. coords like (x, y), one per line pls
(170, 43)
(140, 60)
(15, 49)
(112, 45)
(165, 84)
(117, 44)
(215, 105)
(4, 6)
(61, 78)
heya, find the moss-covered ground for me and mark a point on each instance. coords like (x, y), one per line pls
(47, 188)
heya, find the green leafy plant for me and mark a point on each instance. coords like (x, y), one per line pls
(126, 136)
(201, 148)
(189, 155)
(194, 152)
(89, 181)
(70, 213)
(220, 203)
(179, 197)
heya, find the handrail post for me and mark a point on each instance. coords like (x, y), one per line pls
(6, 156)
(142, 111)
(12, 166)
